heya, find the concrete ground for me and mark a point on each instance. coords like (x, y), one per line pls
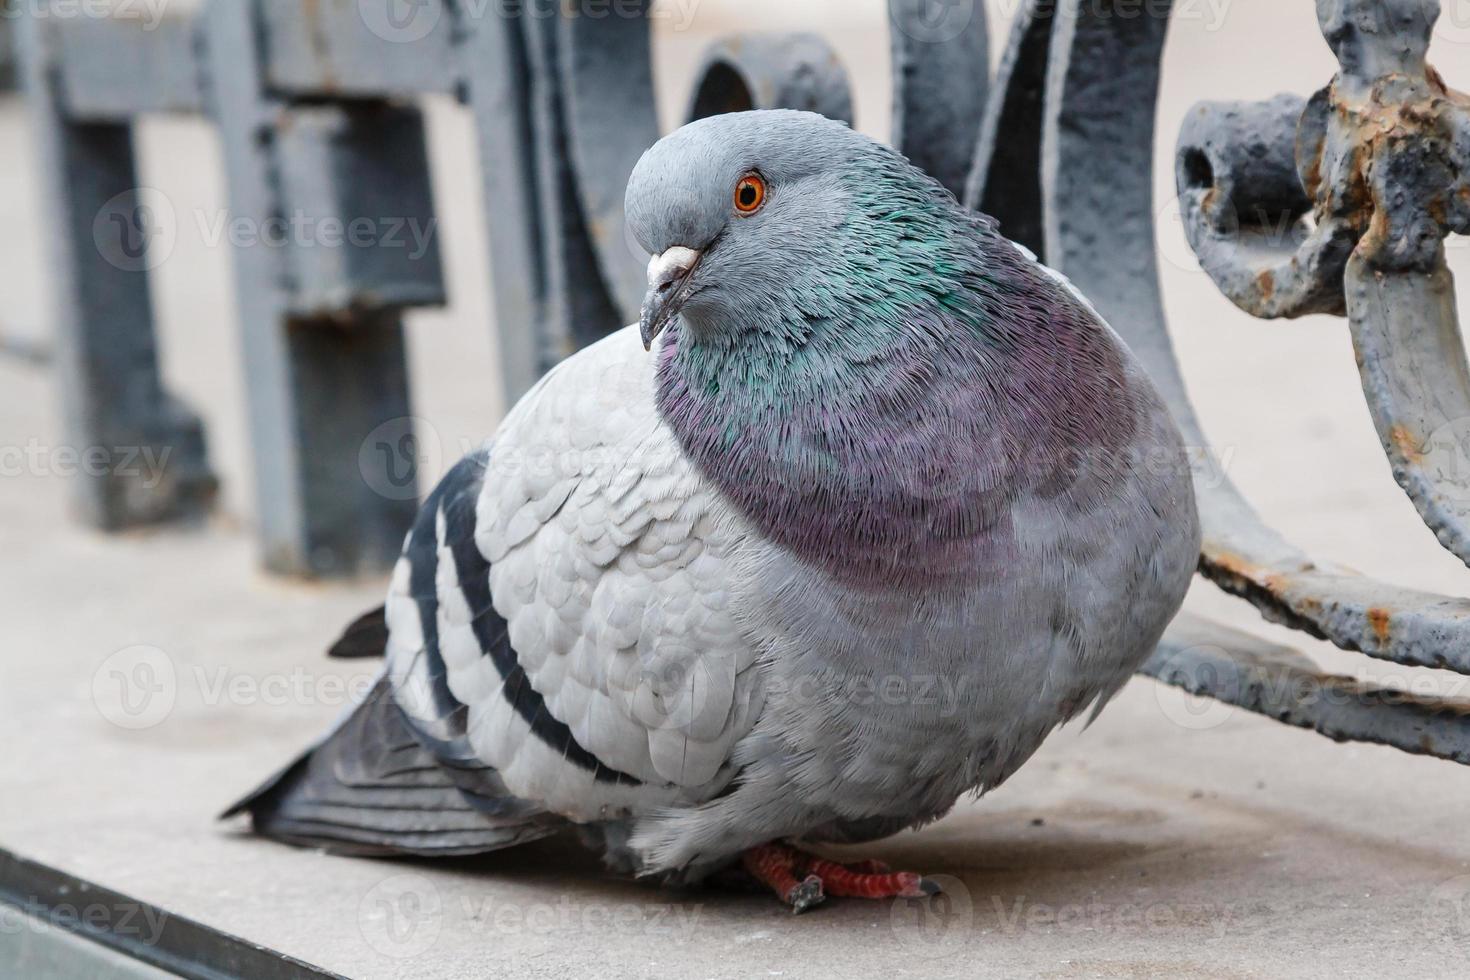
(148, 679)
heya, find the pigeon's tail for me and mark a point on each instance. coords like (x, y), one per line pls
(365, 636)
(371, 787)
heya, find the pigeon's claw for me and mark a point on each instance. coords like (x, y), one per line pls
(848, 881)
(775, 866)
(803, 880)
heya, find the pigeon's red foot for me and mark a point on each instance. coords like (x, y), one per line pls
(803, 880)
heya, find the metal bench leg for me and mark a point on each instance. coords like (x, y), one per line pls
(138, 454)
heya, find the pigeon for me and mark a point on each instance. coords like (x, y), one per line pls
(866, 504)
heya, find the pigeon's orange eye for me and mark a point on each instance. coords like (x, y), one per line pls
(750, 193)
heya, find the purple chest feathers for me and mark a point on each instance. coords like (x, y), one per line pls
(903, 465)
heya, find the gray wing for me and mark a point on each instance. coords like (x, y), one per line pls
(380, 782)
(574, 629)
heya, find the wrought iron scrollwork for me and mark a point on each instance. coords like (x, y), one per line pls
(1339, 204)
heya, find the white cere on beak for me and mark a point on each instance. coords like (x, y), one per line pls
(674, 261)
(668, 287)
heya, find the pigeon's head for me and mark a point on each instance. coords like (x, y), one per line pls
(743, 212)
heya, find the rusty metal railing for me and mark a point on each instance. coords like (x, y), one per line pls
(1340, 204)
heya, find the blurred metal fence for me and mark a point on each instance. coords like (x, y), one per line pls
(7, 48)
(1333, 204)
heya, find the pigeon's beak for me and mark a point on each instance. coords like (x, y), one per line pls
(668, 288)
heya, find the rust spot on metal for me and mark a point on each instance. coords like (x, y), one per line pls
(1405, 443)
(1312, 173)
(1435, 79)
(1277, 582)
(1378, 621)
(1235, 565)
(1355, 199)
(1266, 284)
(321, 49)
(1438, 211)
